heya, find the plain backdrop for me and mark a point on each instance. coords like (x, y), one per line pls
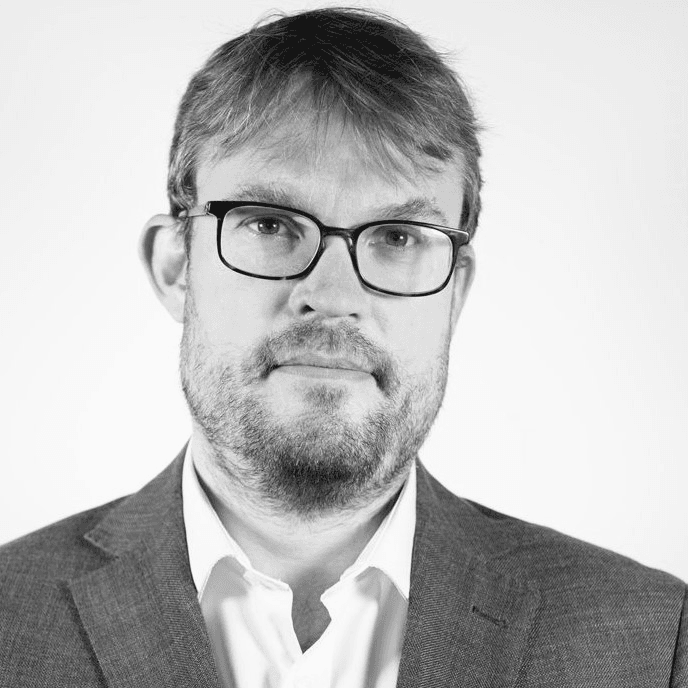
(567, 402)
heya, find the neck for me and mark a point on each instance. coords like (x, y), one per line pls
(306, 553)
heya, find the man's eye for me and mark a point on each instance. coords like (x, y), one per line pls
(269, 225)
(398, 238)
(395, 237)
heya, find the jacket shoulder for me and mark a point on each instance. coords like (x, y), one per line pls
(542, 555)
(41, 639)
(552, 558)
(56, 551)
(598, 613)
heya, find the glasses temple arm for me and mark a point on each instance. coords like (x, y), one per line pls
(197, 211)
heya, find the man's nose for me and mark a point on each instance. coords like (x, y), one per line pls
(332, 288)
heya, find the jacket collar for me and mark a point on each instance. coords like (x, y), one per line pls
(468, 617)
(139, 610)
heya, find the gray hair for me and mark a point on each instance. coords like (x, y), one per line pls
(376, 75)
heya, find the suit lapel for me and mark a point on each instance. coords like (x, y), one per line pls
(139, 610)
(467, 622)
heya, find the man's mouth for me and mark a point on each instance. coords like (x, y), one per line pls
(317, 360)
(324, 366)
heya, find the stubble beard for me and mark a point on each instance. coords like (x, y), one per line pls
(320, 462)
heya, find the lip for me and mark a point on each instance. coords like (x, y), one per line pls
(325, 367)
(323, 373)
(322, 361)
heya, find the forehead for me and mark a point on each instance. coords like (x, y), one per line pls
(329, 172)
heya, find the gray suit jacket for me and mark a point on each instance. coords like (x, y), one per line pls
(105, 598)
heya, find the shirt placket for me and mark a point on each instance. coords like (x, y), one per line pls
(313, 668)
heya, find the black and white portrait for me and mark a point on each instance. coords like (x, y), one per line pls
(404, 289)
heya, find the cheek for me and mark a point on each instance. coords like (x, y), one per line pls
(420, 336)
(233, 310)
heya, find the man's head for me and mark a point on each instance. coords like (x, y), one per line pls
(317, 391)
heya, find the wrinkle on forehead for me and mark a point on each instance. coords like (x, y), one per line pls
(309, 139)
(335, 171)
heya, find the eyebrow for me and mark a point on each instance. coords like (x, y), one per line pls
(418, 207)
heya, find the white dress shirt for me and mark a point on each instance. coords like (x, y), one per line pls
(248, 614)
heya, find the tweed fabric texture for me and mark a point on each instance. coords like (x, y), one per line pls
(106, 598)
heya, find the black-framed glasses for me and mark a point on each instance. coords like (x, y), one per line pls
(399, 257)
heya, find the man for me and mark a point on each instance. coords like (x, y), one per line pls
(324, 188)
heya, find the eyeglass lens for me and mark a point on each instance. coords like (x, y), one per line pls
(272, 242)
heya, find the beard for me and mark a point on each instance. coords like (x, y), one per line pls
(322, 460)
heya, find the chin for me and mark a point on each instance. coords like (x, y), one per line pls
(322, 401)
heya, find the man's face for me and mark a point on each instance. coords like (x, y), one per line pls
(317, 391)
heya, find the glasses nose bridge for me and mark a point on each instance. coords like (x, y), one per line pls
(345, 233)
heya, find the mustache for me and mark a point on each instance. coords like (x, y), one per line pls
(344, 340)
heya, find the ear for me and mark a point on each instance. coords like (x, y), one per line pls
(463, 278)
(161, 249)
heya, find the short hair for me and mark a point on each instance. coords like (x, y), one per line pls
(379, 77)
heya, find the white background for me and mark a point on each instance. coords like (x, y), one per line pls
(568, 396)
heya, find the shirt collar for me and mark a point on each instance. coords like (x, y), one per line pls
(206, 538)
(389, 550)
(391, 547)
